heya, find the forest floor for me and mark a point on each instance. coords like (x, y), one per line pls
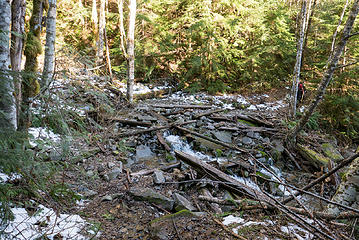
(130, 183)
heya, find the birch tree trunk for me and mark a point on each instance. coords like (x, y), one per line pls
(49, 62)
(131, 50)
(296, 72)
(122, 28)
(101, 33)
(7, 100)
(94, 20)
(291, 137)
(18, 8)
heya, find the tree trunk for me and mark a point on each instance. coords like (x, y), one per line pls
(296, 72)
(49, 62)
(348, 190)
(131, 50)
(94, 20)
(291, 137)
(122, 28)
(7, 99)
(33, 49)
(18, 8)
(101, 33)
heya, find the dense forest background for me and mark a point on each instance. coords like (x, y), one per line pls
(226, 46)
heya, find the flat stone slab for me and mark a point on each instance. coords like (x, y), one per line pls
(149, 195)
(144, 153)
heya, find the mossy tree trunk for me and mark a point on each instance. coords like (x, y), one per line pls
(7, 99)
(348, 191)
(33, 49)
(49, 61)
(332, 66)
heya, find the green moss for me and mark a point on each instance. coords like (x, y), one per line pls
(313, 156)
(33, 45)
(331, 152)
(182, 213)
(247, 123)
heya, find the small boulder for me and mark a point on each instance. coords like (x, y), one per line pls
(149, 195)
(144, 153)
(158, 177)
(182, 203)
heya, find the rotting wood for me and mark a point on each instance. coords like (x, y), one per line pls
(213, 140)
(248, 129)
(342, 164)
(181, 106)
(162, 140)
(141, 131)
(214, 173)
(158, 116)
(221, 118)
(174, 113)
(209, 113)
(150, 171)
(317, 214)
(131, 122)
(255, 120)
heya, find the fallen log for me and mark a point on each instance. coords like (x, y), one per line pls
(162, 140)
(215, 174)
(342, 164)
(255, 120)
(131, 122)
(245, 205)
(141, 131)
(150, 171)
(249, 129)
(208, 113)
(180, 106)
(213, 140)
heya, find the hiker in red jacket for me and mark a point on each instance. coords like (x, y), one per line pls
(301, 92)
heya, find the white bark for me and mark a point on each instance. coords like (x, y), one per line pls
(131, 50)
(7, 99)
(50, 43)
(296, 72)
(101, 33)
(328, 75)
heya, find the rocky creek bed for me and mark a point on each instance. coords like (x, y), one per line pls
(188, 166)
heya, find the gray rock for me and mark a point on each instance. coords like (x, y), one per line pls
(144, 153)
(158, 177)
(147, 118)
(182, 203)
(149, 195)
(107, 198)
(90, 173)
(223, 136)
(250, 134)
(247, 140)
(88, 193)
(210, 126)
(266, 140)
(110, 165)
(114, 173)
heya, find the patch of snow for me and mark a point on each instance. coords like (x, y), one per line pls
(232, 219)
(43, 134)
(4, 177)
(45, 222)
(252, 107)
(298, 232)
